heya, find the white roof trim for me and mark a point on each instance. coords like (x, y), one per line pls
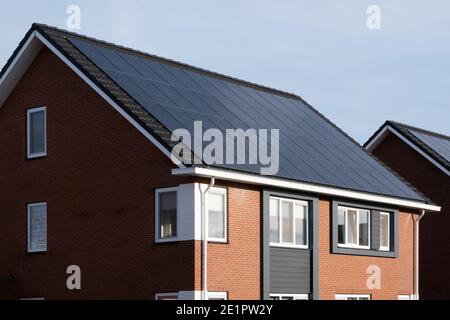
(19, 65)
(26, 56)
(379, 138)
(302, 186)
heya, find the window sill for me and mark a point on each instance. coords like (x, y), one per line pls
(349, 246)
(215, 240)
(167, 240)
(363, 252)
(36, 156)
(289, 246)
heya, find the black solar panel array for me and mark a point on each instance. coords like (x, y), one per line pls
(311, 150)
(440, 145)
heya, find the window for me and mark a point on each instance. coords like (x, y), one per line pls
(385, 218)
(37, 227)
(279, 296)
(166, 214)
(353, 228)
(166, 296)
(288, 222)
(217, 296)
(36, 133)
(405, 297)
(216, 204)
(352, 297)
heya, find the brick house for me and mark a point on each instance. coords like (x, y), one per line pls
(423, 159)
(88, 180)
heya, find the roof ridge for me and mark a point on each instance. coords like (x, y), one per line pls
(175, 62)
(425, 131)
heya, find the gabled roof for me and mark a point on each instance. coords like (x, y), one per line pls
(159, 95)
(433, 146)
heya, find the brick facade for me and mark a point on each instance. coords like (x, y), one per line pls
(347, 274)
(235, 267)
(435, 184)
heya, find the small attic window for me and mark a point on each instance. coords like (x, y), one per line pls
(36, 133)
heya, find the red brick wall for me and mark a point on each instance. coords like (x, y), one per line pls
(347, 274)
(235, 267)
(98, 179)
(421, 173)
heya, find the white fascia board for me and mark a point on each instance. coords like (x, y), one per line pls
(379, 138)
(26, 56)
(19, 66)
(302, 186)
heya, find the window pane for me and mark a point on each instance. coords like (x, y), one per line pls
(274, 220)
(37, 132)
(363, 228)
(168, 214)
(287, 220)
(384, 230)
(341, 225)
(352, 227)
(300, 224)
(38, 228)
(216, 211)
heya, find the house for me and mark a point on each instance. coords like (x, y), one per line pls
(423, 159)
(93, 205)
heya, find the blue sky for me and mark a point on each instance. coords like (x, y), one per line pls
(321, 50)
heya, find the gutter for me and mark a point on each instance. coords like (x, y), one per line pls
(416, 256)
(271, 181)
(205, 239)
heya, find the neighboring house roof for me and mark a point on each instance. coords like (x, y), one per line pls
(159, 95)
(433, 146)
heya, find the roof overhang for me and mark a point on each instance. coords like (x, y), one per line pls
(386, 130)
(254, 179)
(21, 61)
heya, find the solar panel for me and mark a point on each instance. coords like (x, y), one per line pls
(311, 149)
(438, 144)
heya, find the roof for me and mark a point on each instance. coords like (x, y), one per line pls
(434, 145)
(163, 95)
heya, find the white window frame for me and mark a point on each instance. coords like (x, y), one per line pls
(356, 246)
(357, 296)
(157, 226)
(39, 154)
(388, 248)
(221, 191)
(217, 295)
(290, 295)
(281, 244)
(29, 206)
(166, 294)
(406, 297)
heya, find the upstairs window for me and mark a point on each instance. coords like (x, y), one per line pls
(353, 228)
(288, 222)
(37, 227)
(385, 229)
(166, 214)
(36, 133)
(216, 204)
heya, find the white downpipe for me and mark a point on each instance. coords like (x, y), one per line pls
(205, 239)
(416, 262)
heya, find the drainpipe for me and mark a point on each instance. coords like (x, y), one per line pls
(416, 276)
(205, 239)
